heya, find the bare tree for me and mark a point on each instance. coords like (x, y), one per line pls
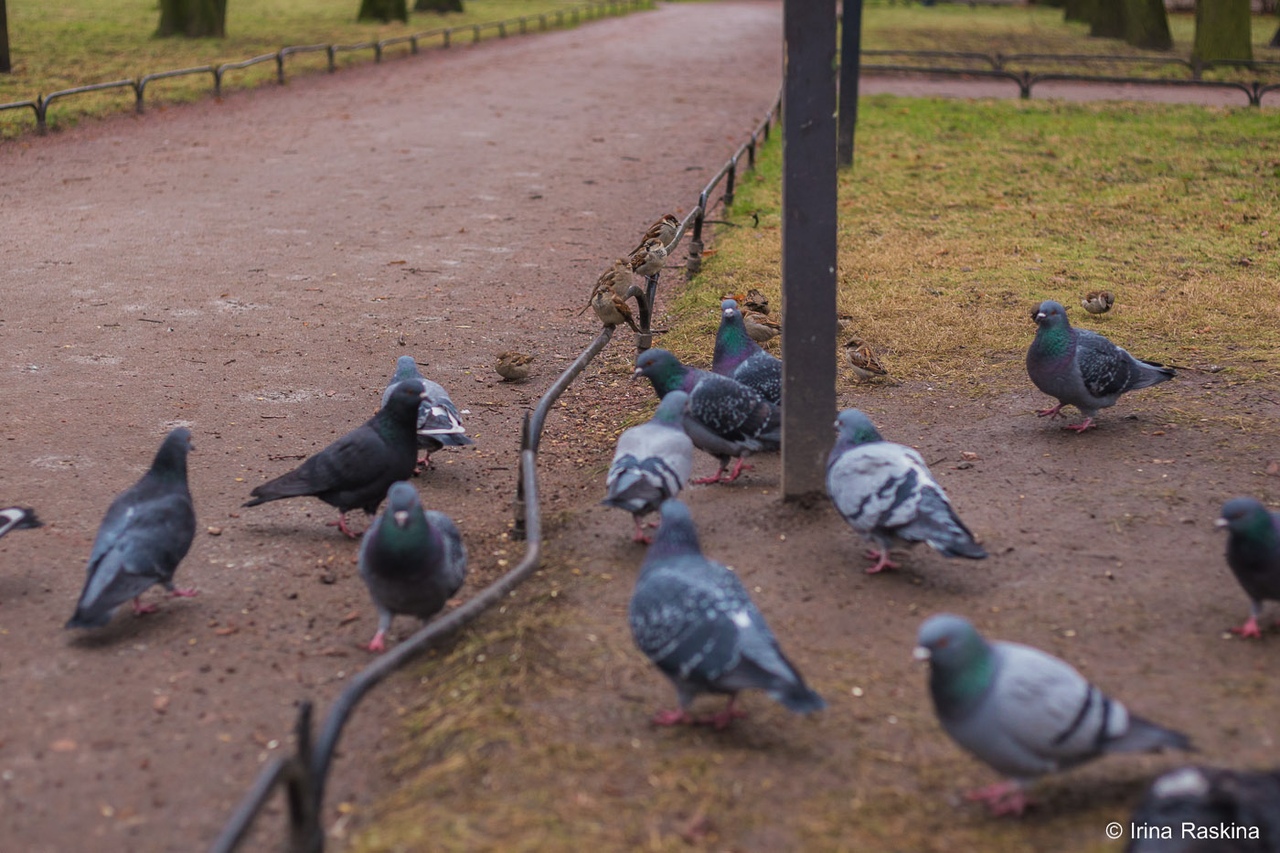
(1223, 30)
(193, 18)
(438, 6)
(383, 10)
(5, 64)
(1146, 24)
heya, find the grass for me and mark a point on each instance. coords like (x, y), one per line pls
(960, 216)
(78, 42)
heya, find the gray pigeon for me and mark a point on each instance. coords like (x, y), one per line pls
(146, 532)
(723, 417)
(1246, 803)
(18, 518)
(695, 620)
(412, 560)
(439, 423)
(1082, 368)
(1253, 553)
(651, 463)
(356, 470)
(738, 357)
(885, 492)
(1022, 711)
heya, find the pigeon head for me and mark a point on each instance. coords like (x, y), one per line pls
(401, 406)
(1245, 517)
(406, 368)
(950, 642)
(403, 503)
(662, 368)
(671, 409)
(854, 428)
(1050, 315)
(676, 534)
(172, 455)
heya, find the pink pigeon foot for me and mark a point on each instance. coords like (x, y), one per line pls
(678, 717)
(640, 536)
(882, 560)
(178, 592)
(1249, 630)
(739, 468)
(1085, 424)
(341, 524)
(1051, 412)
(140, 609)
(702, 481)
(1002, 798)
(723, 719)
(378, 643)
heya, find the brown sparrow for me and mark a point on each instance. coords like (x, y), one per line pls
(664, 230)
(617, 278)
(613, 309)
(513, 365)
(1098, 301)
(649, 258)
(759, 327)
(755, 301)
(865, 364)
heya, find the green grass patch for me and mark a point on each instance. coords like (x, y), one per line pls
(73, 43)
(960, 216)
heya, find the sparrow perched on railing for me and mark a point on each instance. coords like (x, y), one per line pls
(664, 229)
(1098, 301)
(612, 290)
(759, 327)
(649, 259)
(865, 364)
(513, 365)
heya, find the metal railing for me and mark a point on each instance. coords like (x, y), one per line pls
(303, 774)
(573, 15)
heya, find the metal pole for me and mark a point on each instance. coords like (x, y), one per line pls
(808, 243)
(850, 65)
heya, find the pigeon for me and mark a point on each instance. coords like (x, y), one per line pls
(412, 560)
(513, 366)
(866, 366)
(664, 231)
(355, 471)
(760, 327)
(1209, 797)
(18, 518)
(651, 463)
(649, 259)
(439, 423)
(1253, 553)
(146, 532)
(723, 417)
(1082, 368)
(1098, 301)
(885, 491)
(740, 358)
(1022, 711)
(694, 619)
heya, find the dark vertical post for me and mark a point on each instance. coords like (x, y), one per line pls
(5, 64)
(808, 242)
(850, 65)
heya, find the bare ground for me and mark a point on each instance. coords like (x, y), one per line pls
(253, 268)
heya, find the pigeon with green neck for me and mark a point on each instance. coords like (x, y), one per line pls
(1253, 553)
(738, 357)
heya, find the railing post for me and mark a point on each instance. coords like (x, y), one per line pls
(305, 833)
(518, 529)
(138, 88)
(729, 177)
(280, 66)
(693, 260)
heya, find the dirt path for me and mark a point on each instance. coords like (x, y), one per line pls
(253, 268)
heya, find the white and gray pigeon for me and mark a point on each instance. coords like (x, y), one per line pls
(412, 560)
(737, 356)
(146, 532)
(439, 422)
(651, 463)
(694, 619)
(885, 492)
(723, 417)
(1245, 802)
(1082, 368)
(1253, 553)
(18, 518)
(1022, 711)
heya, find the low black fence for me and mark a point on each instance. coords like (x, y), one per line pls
(303, 774)
(443, 37)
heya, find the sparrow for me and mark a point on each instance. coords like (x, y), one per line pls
(755, 301)
(513, 365)
(611, 293)
(617, 278)
(865, 364)
(1098, 301)
(649, 259)
(664, 229)
(761, 328)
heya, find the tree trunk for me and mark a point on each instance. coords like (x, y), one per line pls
(383, 10)
(1079, 10)
(1223, 30)
(1107, 20)
(5, 64)
(1146, 24)
(1275, 39)
(193, 18)
(438, 6)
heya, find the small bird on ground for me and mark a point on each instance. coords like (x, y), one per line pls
(652, 462)
(760, 327)
(1203, 797)
(866, 366)
(738, 357)
(613, 289)
(439, 422)
(885, 492)
(664, 231)
(695, 620)
(1253, 553)
(355, 471)
(1082, 368)
(649, 259)
(146, 532)
(1022, 711)
(756, 301)
(1098, 301)
(723, 417)
(513, 366)
(18, 518)
(412, 560)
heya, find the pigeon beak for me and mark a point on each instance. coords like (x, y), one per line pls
(422, 396)
(636, 375)
(1040, 315)
(1221, 522)
(401, 517)
(920, 653)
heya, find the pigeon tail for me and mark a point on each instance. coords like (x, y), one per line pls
(85, 618)
(634, 492)
(965, 548)
(1151, 373)
(800, 699)
(1145, 736)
